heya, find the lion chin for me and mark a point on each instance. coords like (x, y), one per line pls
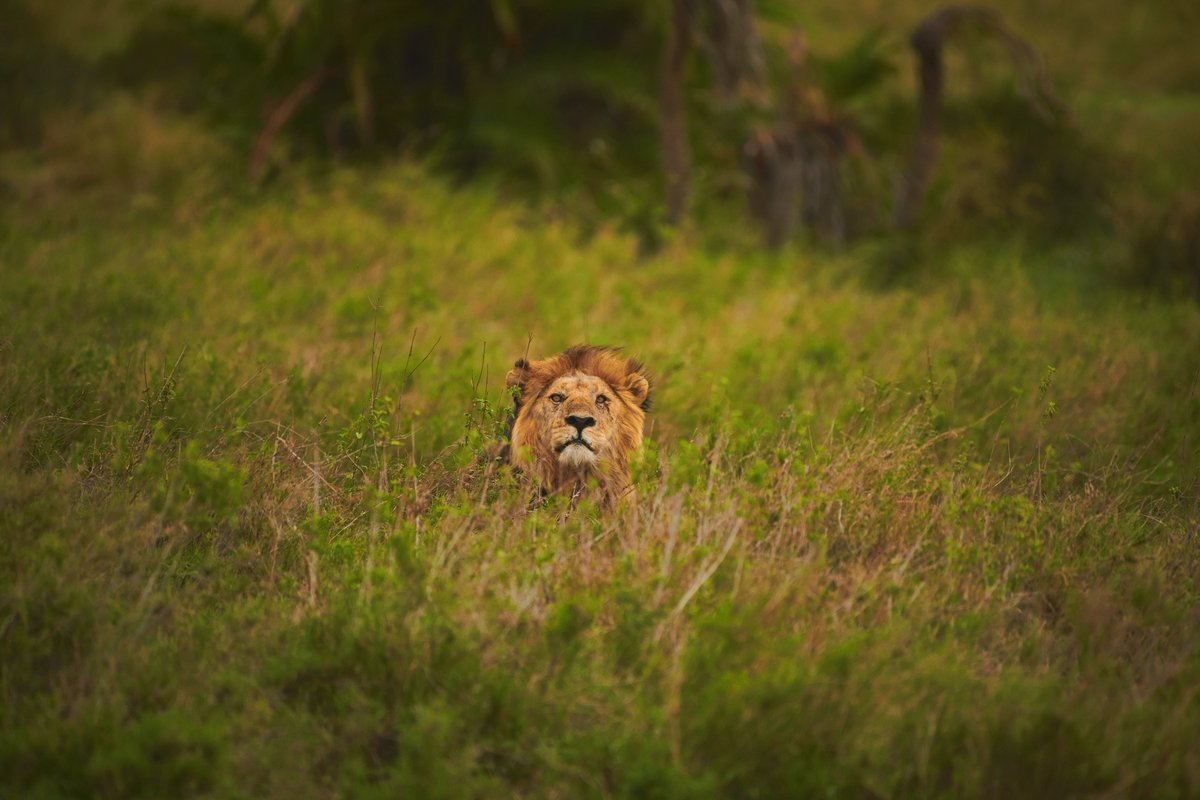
(577, 456)
(578, 418)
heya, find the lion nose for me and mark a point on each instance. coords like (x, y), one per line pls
(581, 422)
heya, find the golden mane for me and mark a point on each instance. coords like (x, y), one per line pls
(605, 362)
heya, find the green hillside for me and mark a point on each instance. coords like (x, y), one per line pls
(888, 542)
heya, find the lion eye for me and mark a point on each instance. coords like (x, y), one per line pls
(558, 398)
(602, 400)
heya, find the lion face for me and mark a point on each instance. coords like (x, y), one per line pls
(579, 418)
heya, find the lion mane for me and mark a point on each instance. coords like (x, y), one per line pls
(578, 418)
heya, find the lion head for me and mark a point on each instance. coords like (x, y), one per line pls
(578, 418)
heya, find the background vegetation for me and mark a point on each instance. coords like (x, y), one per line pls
(918, 517)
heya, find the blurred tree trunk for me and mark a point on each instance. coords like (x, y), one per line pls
(735, 53)
(277, 117)
(364, 105)
(820, 147)
(1191, 261)
(727, 33)
(795, 167)
(928, 39)
(770, 160)
(675, 151)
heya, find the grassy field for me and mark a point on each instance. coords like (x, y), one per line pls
(928, 539)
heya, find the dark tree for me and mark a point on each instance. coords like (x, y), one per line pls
(675, 151)
(928, 40)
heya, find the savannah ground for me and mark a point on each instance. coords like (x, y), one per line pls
(927, 536)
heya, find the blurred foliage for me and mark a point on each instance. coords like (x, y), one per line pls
(1022, 169)
(1164, 241)
(195, 62)
(121, 152)
(861, 69)
(552, 95)
(37, 75)
(560, 101)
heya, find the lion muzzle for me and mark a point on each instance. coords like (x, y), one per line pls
(577, 440)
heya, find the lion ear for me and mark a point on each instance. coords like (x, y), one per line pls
(516, 379)
(638, 386)
(518, 375)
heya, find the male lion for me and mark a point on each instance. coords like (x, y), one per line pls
(578, 418)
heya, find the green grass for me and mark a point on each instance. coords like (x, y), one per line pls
(937, 539)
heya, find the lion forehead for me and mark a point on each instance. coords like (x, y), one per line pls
(579, 383)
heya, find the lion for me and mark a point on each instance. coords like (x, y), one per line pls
(578, 419)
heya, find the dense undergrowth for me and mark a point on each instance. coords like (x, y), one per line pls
(925, 540)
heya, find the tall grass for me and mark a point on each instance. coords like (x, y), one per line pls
(926, 541)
